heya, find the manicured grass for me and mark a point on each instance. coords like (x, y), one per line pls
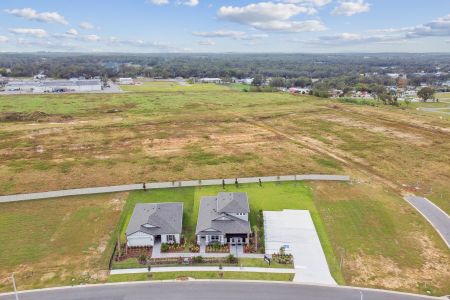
(271, 196)
(202, 275)
(260, 263)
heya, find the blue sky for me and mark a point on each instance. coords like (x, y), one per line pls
(225, 26)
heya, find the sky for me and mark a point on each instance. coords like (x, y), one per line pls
(291, 26)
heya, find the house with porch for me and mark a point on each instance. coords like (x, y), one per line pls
(155, 222)
(224, 219)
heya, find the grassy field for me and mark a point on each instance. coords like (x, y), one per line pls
(202, 275)
(57, 242)
(381, 241)
(165, 133)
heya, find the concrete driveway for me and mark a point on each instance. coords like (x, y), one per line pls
(294, 230)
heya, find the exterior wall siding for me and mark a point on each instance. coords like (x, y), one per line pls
(140, 239)
(240, 216)
(164, 238)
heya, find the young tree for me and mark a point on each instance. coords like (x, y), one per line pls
(426, 93)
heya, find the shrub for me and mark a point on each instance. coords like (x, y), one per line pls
(164, 247)
(198, 259)
(231, 259)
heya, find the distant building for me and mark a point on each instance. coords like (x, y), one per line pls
(40, 76)
(211, 80)
(126, 81)
(298, 90)
(54, 86)
(243, 80)
(447, 83)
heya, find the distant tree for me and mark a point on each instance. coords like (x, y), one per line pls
(257, 80)
(278, 82)
(426, 93)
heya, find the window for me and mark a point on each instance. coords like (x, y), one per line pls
(170, 238)
(215, 238)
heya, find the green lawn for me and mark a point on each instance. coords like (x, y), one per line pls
(271, 196)
(202, 275)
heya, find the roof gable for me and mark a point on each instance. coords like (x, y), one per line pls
(232, 202)
(156, 218)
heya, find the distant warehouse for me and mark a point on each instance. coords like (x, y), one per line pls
(55, 86)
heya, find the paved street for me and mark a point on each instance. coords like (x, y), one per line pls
(436, 216)
(161, 185)
(203, 290)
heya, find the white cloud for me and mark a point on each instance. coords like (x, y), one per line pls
(439, 27)
(35, 32)
(3, 39)
(309, 2)
(221, 34)
(177, 2)
(158, 2)
(271, 16)
(86, 25)
(31, 14)
(206, 43)
(188, 2)
(91, 38)
(291, 26)
(351, 7)
(72, 32)
(237, 35)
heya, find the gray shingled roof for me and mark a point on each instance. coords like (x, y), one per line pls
(160, 218)
(209, 218)
(232, 203)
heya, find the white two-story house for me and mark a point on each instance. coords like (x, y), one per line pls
(224, 219)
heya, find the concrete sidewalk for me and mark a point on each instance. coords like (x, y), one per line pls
(203, 269)
(173, 184)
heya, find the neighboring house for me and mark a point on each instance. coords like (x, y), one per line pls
(223, 219)
(211, 80)
(152, 222)
(51, 86)
(126, 81)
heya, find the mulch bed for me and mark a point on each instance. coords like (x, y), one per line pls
(134, 252)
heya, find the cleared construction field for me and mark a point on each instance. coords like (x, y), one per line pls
(165, 133)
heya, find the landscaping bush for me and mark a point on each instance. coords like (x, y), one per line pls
(232, 259)
(198, 259)
(142, 258)
(217, 248)
(283, 258)
(194, 248)
(164, 247)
